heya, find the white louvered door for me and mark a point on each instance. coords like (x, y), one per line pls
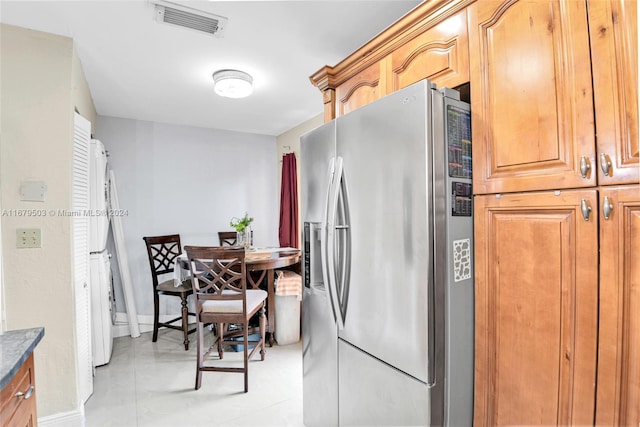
(80, 226)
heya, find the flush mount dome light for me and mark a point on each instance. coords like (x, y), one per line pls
(232, 83)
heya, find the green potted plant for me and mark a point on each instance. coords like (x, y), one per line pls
(242, 227)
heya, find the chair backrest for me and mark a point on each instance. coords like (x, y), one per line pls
(162, 252)
(227, 238)
(217, 273)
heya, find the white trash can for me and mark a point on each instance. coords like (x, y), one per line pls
(288, 295)
(287, 319)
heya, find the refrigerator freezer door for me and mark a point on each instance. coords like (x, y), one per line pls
(385, 149)
(373, 393)
(319, 360)
(319, 334)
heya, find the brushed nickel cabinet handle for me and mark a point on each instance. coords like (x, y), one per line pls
(607, 207)
(26, 394)
(586, 209)
(605, 164)
(585, 166)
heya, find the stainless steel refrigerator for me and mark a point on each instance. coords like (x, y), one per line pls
(388, 270)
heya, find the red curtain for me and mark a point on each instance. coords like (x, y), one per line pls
(288, 232)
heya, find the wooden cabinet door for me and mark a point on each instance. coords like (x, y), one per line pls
(618, 400)
(536, 309)
(440, 54)
(531, 95)
(20, 412)
(613, 30)
(361, 89)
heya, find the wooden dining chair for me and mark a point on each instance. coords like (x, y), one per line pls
(218, 276)
(227, 238)
(162, 252)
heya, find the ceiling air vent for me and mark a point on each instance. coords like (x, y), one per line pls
(187, 17)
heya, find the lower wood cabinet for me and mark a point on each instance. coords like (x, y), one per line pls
(536, 289)
(558, 308)
(618, 397)
(18, 398)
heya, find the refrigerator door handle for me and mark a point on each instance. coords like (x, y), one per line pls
(432, 381)
(324, 241)
(332, 208)
(343, 243)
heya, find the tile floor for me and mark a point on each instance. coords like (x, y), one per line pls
(152, 384)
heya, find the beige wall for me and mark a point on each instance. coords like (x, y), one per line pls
(289, 142)
(41, 83)
(80, 95)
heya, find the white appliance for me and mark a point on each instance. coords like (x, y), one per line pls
(102, 304)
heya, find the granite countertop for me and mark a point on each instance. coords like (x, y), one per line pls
(15, 348)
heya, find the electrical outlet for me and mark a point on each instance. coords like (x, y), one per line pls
(28, 238)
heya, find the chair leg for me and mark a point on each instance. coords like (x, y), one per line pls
(156, 314)
(263, 324)
(246, 356)
(185, 321)
(220, 338)
(200, 352)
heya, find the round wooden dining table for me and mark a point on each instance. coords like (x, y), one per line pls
(260, 265)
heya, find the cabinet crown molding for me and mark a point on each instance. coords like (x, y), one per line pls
(424, 16)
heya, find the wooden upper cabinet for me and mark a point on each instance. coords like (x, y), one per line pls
(430, 41)
(536, 309)
(531, 95)
(440, 54)
(613, 30)
(618, 399)
(359, 90)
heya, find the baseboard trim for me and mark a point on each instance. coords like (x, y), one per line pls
(64, 419)
(145, 323)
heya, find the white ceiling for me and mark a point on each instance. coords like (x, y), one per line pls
(139, 69)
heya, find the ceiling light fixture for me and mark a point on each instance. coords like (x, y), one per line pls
(232, 83)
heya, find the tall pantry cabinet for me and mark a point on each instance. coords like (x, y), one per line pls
(557, 211)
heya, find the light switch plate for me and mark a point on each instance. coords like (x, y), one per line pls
(28, 238)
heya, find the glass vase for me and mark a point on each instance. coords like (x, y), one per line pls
(244, 238)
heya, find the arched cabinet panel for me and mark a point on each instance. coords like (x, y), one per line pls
(359, 90)
(440, 54)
